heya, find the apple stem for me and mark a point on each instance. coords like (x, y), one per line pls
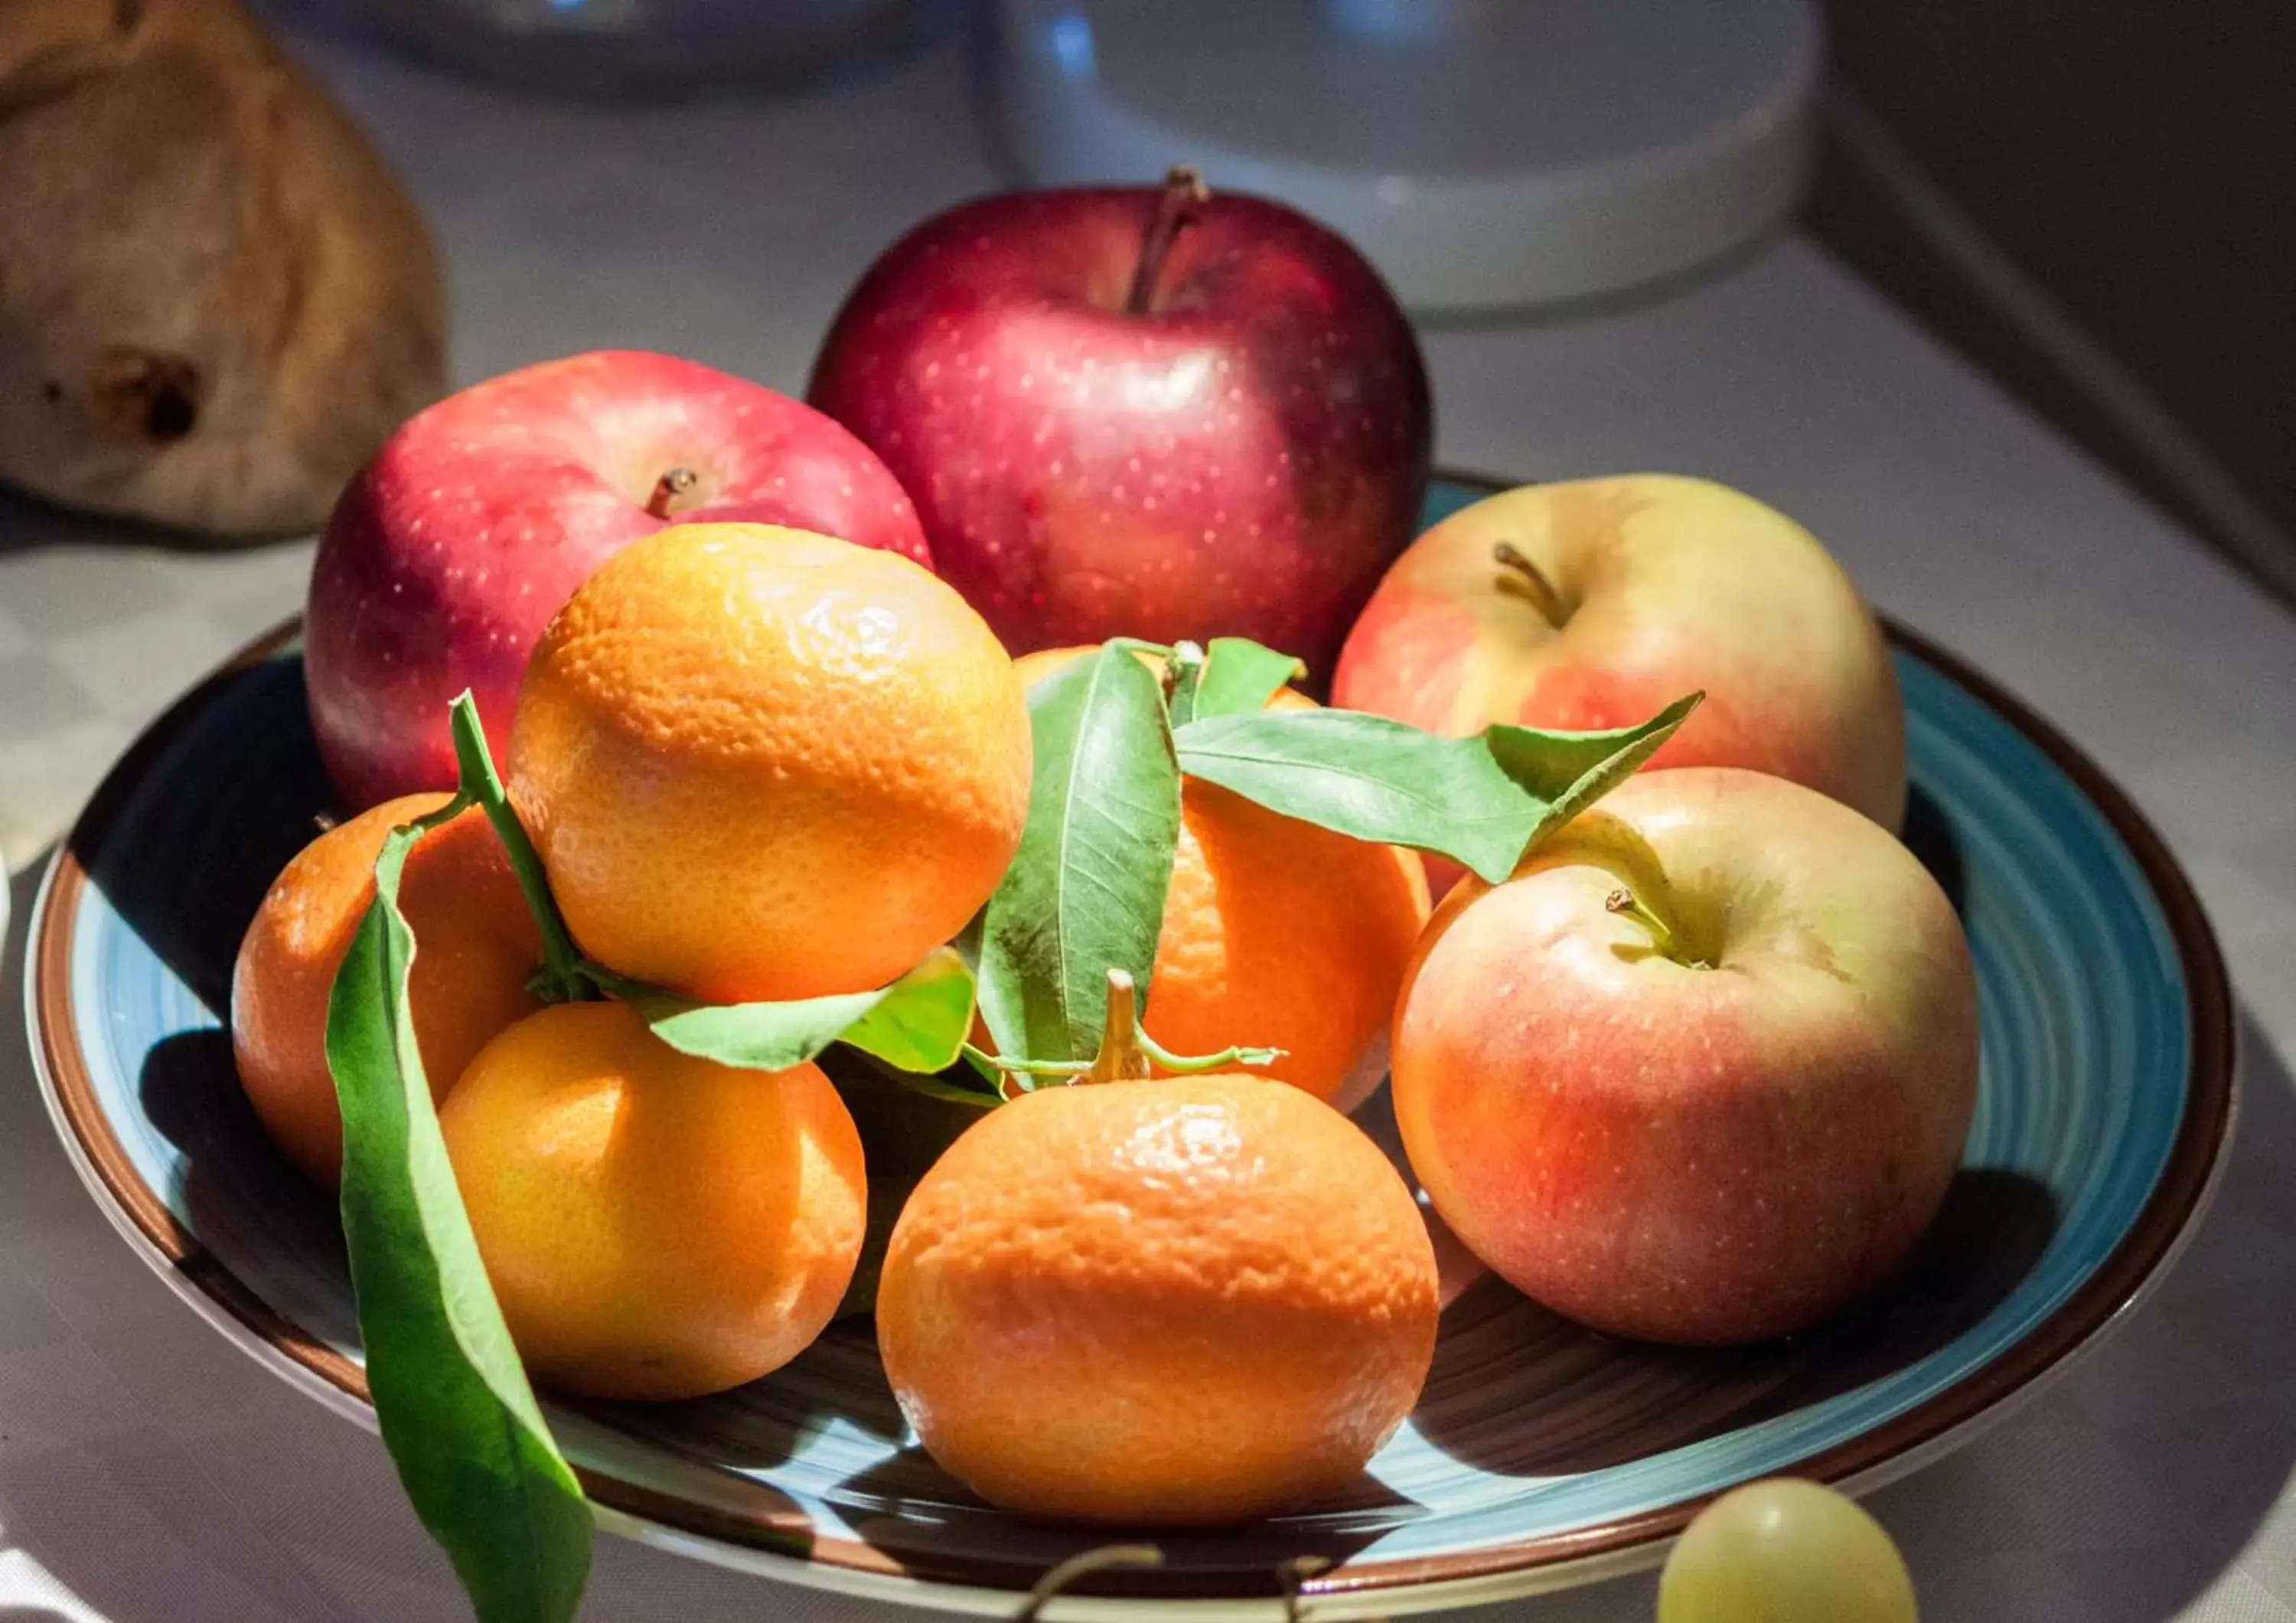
(668, 488)
(1627, 904)
(1185, 191)
(1519, 577)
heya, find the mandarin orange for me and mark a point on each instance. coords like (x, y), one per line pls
(1186, 1301)
(1278, 934)
(763, 764)
(476, 946)
(655, 1225)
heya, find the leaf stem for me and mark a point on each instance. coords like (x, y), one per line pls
(982, 1059)
(1141, 645)
(444, 815)
(1186, 1064)
(621, 986)
(562, 979)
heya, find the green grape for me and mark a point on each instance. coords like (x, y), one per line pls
(1784, 1552)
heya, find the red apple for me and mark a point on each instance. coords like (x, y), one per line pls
(450, 551)
(1701, 1071)
(1595, 604)
(1122, 411)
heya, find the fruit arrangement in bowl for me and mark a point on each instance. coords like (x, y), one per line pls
(910, 905)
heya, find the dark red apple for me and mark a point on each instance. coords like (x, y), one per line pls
(1132, 411)
(450, 551)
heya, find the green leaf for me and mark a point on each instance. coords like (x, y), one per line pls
(917, 1024)
(1238, 679)
(1085, 890)
(1570, 771)
(472, 1450)
(1482, 801)
(559, 979)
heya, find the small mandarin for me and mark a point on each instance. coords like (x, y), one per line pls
(655, 1225)
(761, 764)
(1185, 1301)
(476, 946)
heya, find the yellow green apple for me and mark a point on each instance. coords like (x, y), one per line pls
(1701, 1070)
(1596, 603)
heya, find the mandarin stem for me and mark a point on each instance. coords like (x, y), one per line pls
(1120, 1059)
(1182, 669)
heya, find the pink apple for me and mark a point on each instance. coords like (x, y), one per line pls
(448, 553)
(1124, 411)
(1596, 603)
(1701, 1071)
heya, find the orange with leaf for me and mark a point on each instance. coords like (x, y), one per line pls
(759, 767)
(655, 1224)
(1277, 932)
(761, 764)
(480, 946)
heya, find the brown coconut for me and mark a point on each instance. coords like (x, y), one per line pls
(214, 300)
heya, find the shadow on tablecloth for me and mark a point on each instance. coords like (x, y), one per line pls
(2153, 1475)
(27, 524)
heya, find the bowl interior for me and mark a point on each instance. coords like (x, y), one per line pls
(1534, 1441)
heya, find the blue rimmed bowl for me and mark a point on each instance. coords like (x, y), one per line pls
(1540, 1455)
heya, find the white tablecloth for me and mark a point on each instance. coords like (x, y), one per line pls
(149, 1473)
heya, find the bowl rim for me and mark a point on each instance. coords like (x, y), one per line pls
(783, 1539)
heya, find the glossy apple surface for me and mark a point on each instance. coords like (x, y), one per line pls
(1595, 603)
(448, 553)
(1715, 1125)
(1241, 454)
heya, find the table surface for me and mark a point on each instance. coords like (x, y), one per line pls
(150, 1473)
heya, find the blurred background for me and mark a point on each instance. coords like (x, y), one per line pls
(2084, 202)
